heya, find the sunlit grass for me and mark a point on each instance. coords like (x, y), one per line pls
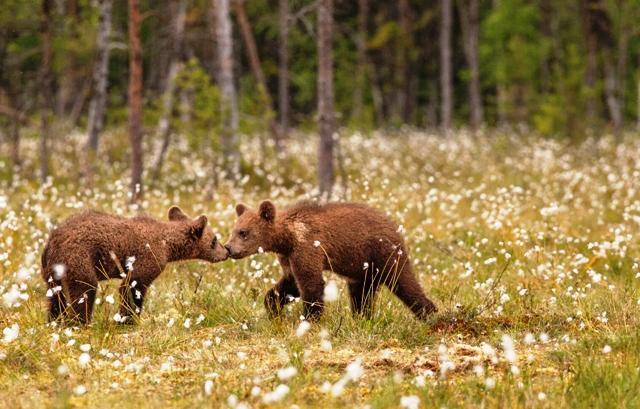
(512, 236)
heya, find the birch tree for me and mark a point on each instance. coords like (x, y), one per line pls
(228, 97)
(98, 103)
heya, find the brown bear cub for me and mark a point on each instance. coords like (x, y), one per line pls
(353, 240)
(92, 246)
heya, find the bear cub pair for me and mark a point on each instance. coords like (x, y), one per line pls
(355, 241)
(92, 246)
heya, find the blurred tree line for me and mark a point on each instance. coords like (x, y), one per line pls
(217, 68)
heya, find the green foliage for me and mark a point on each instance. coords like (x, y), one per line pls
(511, 52)
(201, 115)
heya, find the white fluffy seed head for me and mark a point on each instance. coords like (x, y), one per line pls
(59, 271)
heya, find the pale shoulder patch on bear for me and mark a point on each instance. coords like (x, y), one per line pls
(299, 230)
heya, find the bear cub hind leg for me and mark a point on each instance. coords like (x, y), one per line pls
(408, 290)
(82, 295)
(362, 297)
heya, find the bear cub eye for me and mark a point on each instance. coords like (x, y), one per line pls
(214, 241)
(244, 234)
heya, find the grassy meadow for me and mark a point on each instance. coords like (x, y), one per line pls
(530, 248)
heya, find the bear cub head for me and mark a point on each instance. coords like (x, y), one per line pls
(201, 242)
(254, 230)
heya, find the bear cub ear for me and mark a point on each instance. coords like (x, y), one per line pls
(240, 208)
(267, 211)
(197, 227)
(175, 213)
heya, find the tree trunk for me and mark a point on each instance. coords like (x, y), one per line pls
(599, 25)
(376, 94)
(71, 78)
(361, 62)
(469, 18)
(97, 105)
(46, 94)
(283, 67)
(256, 68)
(591, 69)
(408, 80)
(228, 98)
(135, 100)
(611, 92)
(325, 97)
(638, 97)
(163, 132)
(446, 85)
(15, 143)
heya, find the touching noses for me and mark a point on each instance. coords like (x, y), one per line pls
(228, 248)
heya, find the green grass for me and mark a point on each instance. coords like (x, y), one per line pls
(510, 236)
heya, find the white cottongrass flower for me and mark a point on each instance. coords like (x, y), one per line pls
(187, 323)
(410, 402)
(80, 390)
(542, 396)
(509, 350)
(129, 263)
(446, 364)
(23, 274)
(287, 373)
(338, 387)
(303, 328)
(529, 338)
(420, 381)
(606, 349)
(59, 270)
(354, 370)
(316, 243)
(325, 345)
(85, 347)
(10, 334)
(208, 387)
(490, 383)
(331, 291)
(276, 395)
(12, 297)
(62, 370)
(109, 299)
(120, 318)
(260, 250)
(84, 359)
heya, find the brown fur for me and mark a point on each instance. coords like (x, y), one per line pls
(357, 242)
(93, 246)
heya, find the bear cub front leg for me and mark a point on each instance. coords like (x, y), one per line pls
(311, 286)
(283, 292)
